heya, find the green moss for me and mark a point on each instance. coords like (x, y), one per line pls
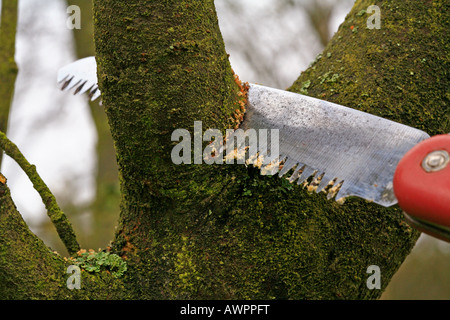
(8, 67)
(92, 261)
(401, 68)
(31, 271)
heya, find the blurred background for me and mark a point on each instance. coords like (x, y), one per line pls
(270, 42)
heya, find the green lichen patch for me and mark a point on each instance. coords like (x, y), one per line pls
(92, 261)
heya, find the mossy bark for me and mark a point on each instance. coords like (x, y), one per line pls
(224, 231)
(399, 72)
(30, 270)
(162, 66)
(8, 66)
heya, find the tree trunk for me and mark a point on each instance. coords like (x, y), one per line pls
(177, 72)
(224, 231)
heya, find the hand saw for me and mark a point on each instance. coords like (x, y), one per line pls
(338, 150)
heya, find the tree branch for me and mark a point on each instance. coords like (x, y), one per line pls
(58, 218)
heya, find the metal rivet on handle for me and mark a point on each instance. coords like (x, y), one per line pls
(436, 161)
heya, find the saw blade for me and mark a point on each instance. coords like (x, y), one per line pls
(81, 75)
(326, 146)
(332, 148)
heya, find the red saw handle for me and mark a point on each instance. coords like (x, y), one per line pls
(422, 186)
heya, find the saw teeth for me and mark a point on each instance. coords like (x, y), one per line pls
(71, 83)
(325, 183)
(80, 75)
(298, 171)
(315, 182)
(80, 87)
(333, 191)
(307, 173)
(95, 94)
(328, 186)
(66, 83)
(286, 167)
(92, 92)
(87, 86)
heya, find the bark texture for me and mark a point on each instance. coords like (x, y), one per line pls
(162, 66)
(31, 270)
(8, 66)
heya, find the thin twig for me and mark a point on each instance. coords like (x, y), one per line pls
(58, 218)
